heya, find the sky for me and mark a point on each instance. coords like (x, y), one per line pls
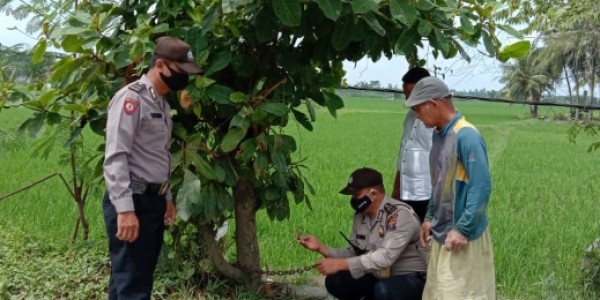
(481, 72)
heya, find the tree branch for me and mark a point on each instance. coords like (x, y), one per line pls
(215, 253)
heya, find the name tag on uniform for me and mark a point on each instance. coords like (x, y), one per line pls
(156, 115)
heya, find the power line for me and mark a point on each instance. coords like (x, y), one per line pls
(486, 99)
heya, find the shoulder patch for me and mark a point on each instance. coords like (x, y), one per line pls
(138, 86)
(130, 106)
(391, 222)
(389, 208)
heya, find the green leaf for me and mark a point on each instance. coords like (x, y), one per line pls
(302, 119)
(237, 97)
(188, 195)
(260, 83)
(342, 34)
(333, 102)
(311, 110)
(265, 26)
(75, 134)
(261, 164)
(516, 50)
(289, 12)
(210, 17)
(462, 51)
(407, 40)
(441, 42)
(363, 6)
(332, 9)
(53, 118)
(48, 97)
(33, 125)
(233, 137)
(424, 28)
(403, 11)
(75, 107)
(202, 166)
(240, 121)
(466, 24)
(160, 28)
(248, 148)
(38, 51)
(371, 20)
(90, 43)
(202, 82)
(219, 93)
(228, 6)
(489, 43)
(278, 109)
(508, 29)
(72, 43)
(425, 5)
(221, 60)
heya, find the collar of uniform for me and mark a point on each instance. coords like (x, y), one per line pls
(444, 130)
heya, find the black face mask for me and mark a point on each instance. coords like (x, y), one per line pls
(178, 81)
(360, 205)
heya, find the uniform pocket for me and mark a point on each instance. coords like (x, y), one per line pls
(153, 125)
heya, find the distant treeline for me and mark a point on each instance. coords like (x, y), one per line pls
(481, 93)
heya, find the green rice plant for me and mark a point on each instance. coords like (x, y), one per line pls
(543, 210)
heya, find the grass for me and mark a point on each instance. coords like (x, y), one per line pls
(543, 211)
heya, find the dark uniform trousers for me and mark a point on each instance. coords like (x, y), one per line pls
(133, 264)
(400, 287)
(420, 207)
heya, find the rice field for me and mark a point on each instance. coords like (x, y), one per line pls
(543, 212)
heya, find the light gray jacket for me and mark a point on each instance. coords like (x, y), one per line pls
(391, 239)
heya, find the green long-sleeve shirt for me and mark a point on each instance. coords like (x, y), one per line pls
(460, 179)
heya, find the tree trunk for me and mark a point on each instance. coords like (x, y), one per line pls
(248, 254)
(577, 94)
(533, 111)
(592, 86)
(574, 112)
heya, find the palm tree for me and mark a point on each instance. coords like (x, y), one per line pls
(562, 54)
(525, 81)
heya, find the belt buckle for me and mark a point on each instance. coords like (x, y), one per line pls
(164, 187)
(138, 187)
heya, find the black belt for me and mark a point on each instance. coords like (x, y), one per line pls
(144, 188)
(422, 275)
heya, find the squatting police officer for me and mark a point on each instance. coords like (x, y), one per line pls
(138, 201)
(383, 260)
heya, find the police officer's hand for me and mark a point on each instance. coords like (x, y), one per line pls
(455, 241)
(128, 226)
(425, 234)
(170, 213)
(330, 266)
(309, 242)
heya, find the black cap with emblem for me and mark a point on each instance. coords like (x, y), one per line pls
(362, 178)
(177, 51)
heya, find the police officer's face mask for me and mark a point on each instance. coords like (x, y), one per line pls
(177, 81)
(361, 204)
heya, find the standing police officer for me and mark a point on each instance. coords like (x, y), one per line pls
(383, 260)
(138, 201)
